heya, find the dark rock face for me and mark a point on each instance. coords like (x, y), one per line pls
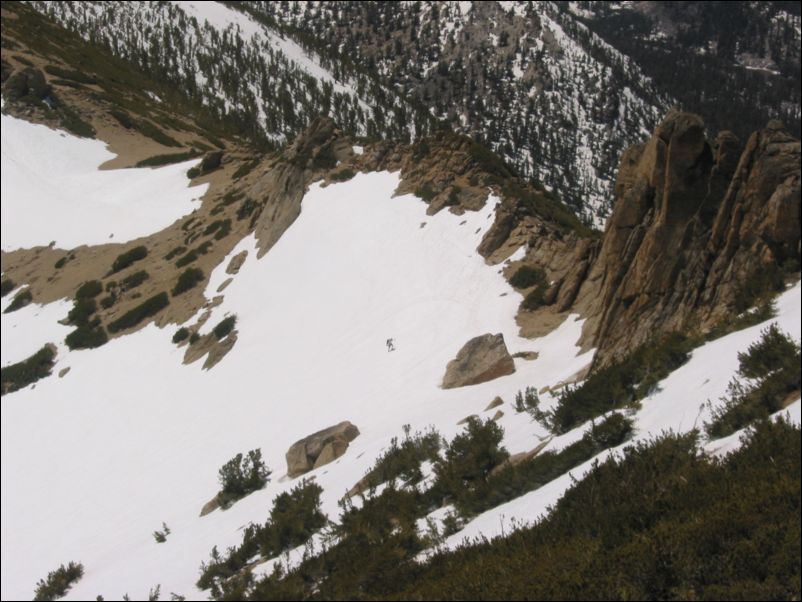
(481, 359)
(693, 221)
(320, 448)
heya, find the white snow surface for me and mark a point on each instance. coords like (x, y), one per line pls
(94, 462)
(130, 437)
(52, 190)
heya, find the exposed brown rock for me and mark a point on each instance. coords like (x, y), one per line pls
(481, 359)
(691, 224)
(516, 459)
(236, 262)
(319, 448)
(494, 404)
(210, 506)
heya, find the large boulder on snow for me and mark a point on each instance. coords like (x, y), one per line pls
(320, 448)
(481, 359)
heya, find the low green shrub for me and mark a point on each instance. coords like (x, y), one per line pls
(60, 263)
(134, 280)
(129, 257)
(294, 517)
(71, 74)
(514, 481)
(19, 375)
(20, 300)
(81, 310)
(167, 159)
(188, 279)
(181, 334)
(772, 366)
(89, 290)
(620, 384)
(87, 336)
(527, 276)
(342, 176)
(146, 309)
(175, 252)
(161, 536)
(468, 460)
(246, 208)
(58, 582)
(403, 461)
(245, 168)
(240, 476)
(225, 327)
(6, 286)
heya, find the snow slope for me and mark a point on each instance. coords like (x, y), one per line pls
(53, 191)
(131, 437)
(94, 462)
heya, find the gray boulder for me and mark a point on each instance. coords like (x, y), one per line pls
(319, 448)
(481, 359)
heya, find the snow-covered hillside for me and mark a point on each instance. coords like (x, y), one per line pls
(130, 437)
(53, 191)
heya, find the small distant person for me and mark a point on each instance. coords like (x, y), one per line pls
(390, 346)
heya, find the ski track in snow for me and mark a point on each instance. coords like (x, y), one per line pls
(94, 462)
(53, 191)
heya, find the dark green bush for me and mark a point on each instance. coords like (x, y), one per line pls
(89, 290)
(188, 279)
(187, 259)
(129, 257)
(620, 384)
(161, 536)
(240, 476)
(87, 337)
(294, 517)
(223, 329)
(123, 118)
(403, 461)
(245, 168)
(71, 74)
(20, 300)
(514, 481)
(154, 133)
(60, 263)
(58, 582)
(134, 280)
(168, 159)
(107, 301)
(535, 298)
(773, 365)
(663, 522)
(181, 334)
(175, 253)
(194, 338)
(469, 458)
(224, 230)
(527, 275)
(342, 175)
(246, 209)
(81, 310)
(6, 286)
(19, 375)
(144, 310)
(426, 192)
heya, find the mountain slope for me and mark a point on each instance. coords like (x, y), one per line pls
(288, 278)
